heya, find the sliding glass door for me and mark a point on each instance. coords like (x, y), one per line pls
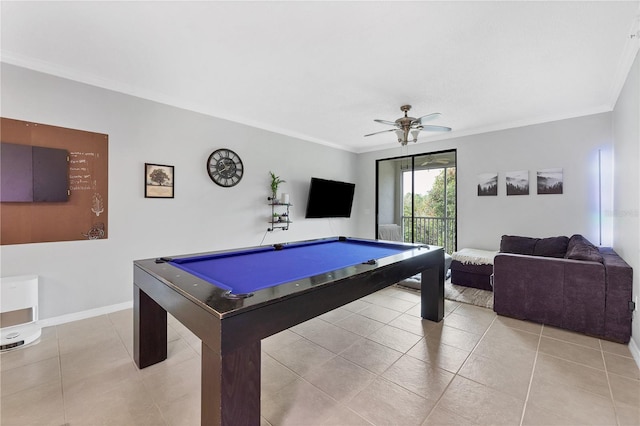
(416, 199)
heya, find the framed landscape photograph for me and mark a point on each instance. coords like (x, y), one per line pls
(487, 184)
(158, 181)
(518, 182)
(550, 181)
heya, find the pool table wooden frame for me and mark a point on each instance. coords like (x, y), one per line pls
(231, 331)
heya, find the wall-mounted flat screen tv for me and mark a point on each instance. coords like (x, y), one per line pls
(329, 198)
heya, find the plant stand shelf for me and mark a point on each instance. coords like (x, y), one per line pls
(279, 215)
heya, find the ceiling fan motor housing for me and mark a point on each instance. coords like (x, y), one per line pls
(404, 126)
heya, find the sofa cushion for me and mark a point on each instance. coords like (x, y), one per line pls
(551, 247)
(586, 252)
(517, 245)
(578, 239)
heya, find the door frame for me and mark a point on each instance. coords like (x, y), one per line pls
(411, 158)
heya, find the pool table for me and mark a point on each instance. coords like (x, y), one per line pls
(233, 299)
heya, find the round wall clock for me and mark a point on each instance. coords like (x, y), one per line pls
(225, 167)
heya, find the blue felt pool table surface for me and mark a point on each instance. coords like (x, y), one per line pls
(246, 271)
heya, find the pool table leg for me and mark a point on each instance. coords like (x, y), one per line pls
(149, 330)
(231, 386)
(432, 293)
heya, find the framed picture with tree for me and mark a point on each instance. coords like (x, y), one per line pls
(158, 181)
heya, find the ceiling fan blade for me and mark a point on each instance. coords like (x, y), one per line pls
(436, 128)
(425, 118)
(390, 123)
(437, 161)
(384, 131)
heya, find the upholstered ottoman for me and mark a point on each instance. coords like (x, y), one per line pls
(472, 268)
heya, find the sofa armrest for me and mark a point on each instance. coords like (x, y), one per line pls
(619, 276)
(585, 297)
(528, 287)
(560, 292)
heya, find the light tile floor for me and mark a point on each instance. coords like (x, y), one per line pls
(373, 361)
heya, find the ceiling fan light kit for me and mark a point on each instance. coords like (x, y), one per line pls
(408, 128)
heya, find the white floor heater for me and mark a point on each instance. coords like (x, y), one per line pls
(18, 311)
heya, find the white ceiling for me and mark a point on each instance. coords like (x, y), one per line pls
(322, 71)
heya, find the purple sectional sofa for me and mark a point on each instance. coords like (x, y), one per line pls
(564, 282)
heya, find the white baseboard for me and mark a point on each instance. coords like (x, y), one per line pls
(62, 319)
(635, 351)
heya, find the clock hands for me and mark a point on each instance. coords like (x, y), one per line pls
(228, 169)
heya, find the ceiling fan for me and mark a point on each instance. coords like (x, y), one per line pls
(437, 160)
(405, 125)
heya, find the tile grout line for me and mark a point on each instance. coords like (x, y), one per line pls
(606, 373)
(343, 404)
(381, 377)
(138, 374)
(461, 365)
(454, 310)
(64, 403)
(533, 369)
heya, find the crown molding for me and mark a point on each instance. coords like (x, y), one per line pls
(93, 80)
(631, 49)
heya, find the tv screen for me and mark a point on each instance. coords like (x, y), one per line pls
(33, 174)
(329, 198)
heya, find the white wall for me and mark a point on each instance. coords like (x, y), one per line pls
(568, 144)
(626, 211)
(83, 275)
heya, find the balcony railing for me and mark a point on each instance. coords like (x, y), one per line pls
(438, 231)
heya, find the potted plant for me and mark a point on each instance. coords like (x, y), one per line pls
(275, 182)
